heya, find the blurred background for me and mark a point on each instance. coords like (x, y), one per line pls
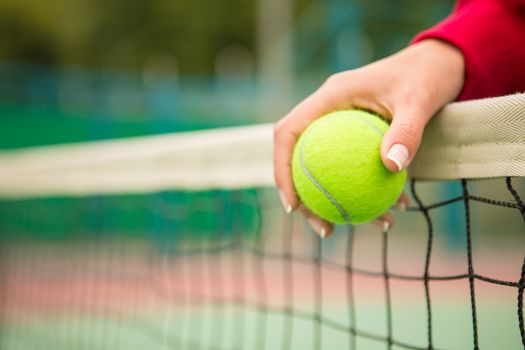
(84, 70)
(92, 69)
(87, 70)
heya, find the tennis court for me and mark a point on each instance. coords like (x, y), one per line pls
(92, 263)
(138, 207)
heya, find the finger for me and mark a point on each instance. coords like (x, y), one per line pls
(288, 130)
(385, 221)
(402, 202)
(401, 141)
(322, 228)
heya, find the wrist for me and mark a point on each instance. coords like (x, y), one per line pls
(441, 67)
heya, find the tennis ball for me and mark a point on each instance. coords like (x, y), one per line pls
(337, 169)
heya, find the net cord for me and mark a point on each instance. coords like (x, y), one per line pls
(466, 140)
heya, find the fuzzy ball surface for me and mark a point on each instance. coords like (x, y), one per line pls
(337, 169)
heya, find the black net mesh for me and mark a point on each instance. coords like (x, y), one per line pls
(230, 270)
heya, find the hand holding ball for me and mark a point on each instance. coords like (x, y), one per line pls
(337, 169)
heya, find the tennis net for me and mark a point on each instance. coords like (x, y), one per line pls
(179, 242)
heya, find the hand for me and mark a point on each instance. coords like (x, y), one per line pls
(408, 87)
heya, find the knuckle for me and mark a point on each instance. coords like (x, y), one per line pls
(332, 80)
(339, 86)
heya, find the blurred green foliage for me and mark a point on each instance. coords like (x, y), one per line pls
(125, 34)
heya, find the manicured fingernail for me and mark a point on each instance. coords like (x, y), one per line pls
(398, 153)
(286, 205)
(317, 227)
(386, 226)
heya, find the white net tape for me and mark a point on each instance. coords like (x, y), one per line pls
(475, 139)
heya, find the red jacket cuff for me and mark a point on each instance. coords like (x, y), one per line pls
(490, 36)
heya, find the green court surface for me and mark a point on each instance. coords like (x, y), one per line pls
(236, 327)
(126, 294)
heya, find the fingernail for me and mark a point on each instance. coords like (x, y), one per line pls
(398, 153)
(386, 226)
(401, 206)
(317, 227)
(286, 205)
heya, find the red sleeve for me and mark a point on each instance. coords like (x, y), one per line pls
(491, 35)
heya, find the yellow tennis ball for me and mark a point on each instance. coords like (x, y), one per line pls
(337, 169)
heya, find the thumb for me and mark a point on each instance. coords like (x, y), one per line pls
(401, 141)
